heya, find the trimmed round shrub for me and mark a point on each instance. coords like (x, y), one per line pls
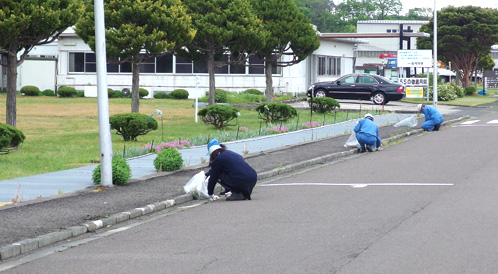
(30, 91)
(121, 172)
(218, 115)
(131, 125)
(142, 92)
(168, 160)
(323, 104)
(10, 138)
(179, 94)
(275, 112)
(48, 92)
(470, 90)
(66, 92)
(252, 91)
(162, 95)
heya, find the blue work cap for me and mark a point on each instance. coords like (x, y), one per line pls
(211, 143)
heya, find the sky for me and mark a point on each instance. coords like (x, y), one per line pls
(410, 4)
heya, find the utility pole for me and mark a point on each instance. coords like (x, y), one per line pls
(103, 101)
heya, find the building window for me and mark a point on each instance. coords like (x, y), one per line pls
(148, 65)
(76, 62)
(86, 63)
(256, 65)
(329, 65)
(183, 65)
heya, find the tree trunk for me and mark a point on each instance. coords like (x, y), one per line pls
(211, 78)
(135, 86)
(11, 115)
(269, 80)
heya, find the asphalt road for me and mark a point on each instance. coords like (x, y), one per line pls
(425, 205)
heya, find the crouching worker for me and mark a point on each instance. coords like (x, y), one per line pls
(367, 134)
(231, 171)
(433, 118)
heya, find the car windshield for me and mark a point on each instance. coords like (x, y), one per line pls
(387, 80)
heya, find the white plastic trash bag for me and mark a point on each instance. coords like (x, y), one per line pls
(352, 141)
(197, 186)
(408, 122)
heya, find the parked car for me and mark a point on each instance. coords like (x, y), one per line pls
(376, 88)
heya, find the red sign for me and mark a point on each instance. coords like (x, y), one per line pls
(388, 55)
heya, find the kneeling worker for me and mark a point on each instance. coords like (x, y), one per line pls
(433, 117)
(231, 171)
(367, 134)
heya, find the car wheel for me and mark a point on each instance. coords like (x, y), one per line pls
(379, 98)
(320, 93)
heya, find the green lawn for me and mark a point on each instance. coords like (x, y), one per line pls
(62, 133)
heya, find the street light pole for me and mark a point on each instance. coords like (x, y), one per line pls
(103, 101)
(434, 78)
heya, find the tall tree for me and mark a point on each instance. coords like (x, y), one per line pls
(321, 14)
(291, 34)
(223, 26)
(25, 24)
(138, 30)
(419, 14)
(386, 8)
(465, 35)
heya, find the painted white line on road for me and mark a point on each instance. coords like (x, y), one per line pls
(493, 122)
(470, 122)
(358, 185)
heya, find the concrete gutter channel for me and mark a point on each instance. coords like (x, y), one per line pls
(28, 245)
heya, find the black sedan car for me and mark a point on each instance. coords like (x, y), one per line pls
(376, 88)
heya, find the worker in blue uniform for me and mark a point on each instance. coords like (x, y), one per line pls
(367, 134)
(231, 171)
(433, 118)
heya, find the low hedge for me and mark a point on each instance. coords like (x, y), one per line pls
(30, 91)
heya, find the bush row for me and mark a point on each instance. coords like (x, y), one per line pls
(447, 92)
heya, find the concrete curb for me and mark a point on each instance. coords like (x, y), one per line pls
(28, 245)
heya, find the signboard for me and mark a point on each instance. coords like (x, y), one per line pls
(491, 78)
(414, 81)
(414, 58)
(415, 92)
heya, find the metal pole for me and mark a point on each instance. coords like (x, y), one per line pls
(103, 101)
(434, 75)
(196, 96)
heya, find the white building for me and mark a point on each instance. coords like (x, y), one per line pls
(76, 67)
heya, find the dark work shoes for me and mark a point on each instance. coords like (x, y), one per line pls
(369, 149)
(436, 127)
(236, 197)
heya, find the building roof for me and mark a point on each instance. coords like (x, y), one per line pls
(413, 22)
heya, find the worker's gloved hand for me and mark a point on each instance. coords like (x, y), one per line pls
(380, 149)
(213, 197)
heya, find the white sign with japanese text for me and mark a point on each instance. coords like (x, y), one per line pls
(414, 81)
(414, 58)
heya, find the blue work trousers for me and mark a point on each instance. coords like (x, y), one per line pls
(367, 139)
(429, 125)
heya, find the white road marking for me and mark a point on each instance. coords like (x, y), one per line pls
(357, 185)
(493, 122)
(470, 122)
